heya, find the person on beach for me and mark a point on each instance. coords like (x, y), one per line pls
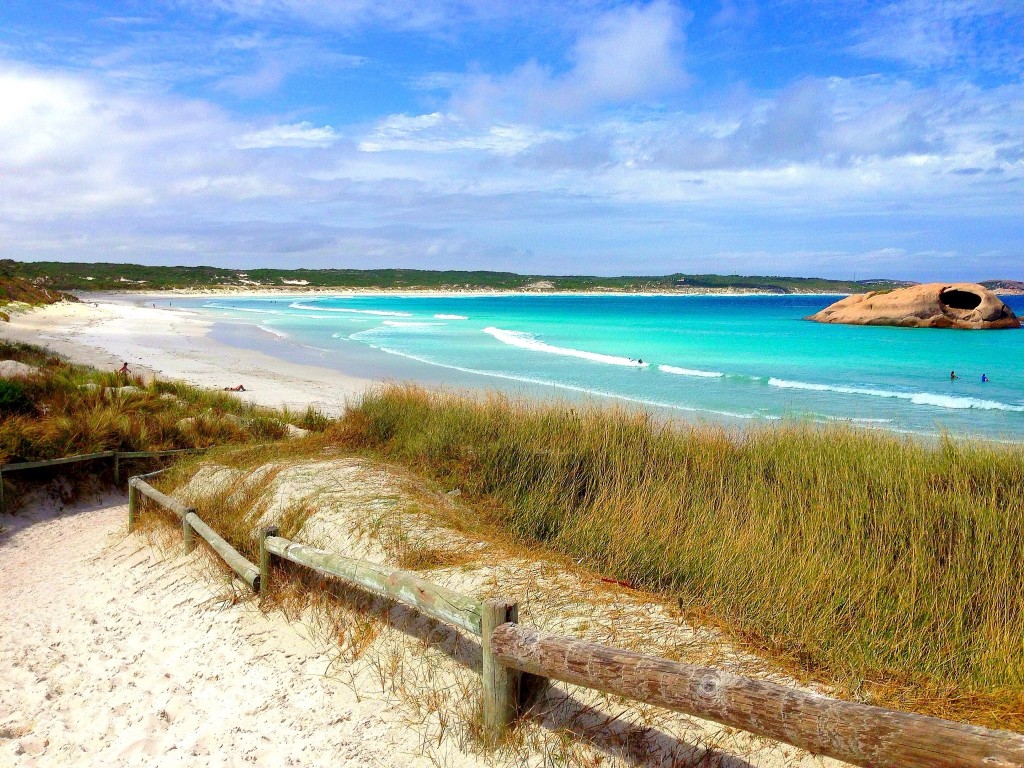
(123, 370)
(237, 388)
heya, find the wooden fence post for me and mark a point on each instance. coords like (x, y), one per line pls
(187, 533)
(501, 683)
(3, 506)
(265, 555)
(117, 469)
(133, 504)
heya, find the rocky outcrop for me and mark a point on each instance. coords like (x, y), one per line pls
(933, 305)
(12, 369)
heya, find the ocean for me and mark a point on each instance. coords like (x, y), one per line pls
(733, 359)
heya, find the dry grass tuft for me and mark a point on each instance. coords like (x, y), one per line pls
(892, 569)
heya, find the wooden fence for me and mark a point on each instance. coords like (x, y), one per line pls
(117, 456)
(517, 659)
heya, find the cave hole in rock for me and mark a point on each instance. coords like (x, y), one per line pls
(960, 299)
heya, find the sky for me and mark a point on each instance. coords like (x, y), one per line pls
(836, 138)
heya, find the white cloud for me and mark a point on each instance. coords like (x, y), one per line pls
(981, 34)
(430, 16)
(629, 55)
(266, 79)
(87, 171)
(303, 135)
(439, 132)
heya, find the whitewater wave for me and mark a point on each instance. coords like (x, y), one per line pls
(274, 331)
(690, 372)
(410, 324)
(377, 312)
(525, 340)
(451, 317)
(917, 398)
(571, 387)
(243, 309)
(856, 420)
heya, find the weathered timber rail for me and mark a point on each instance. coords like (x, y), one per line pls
(849, 731)
(516, 658)
(192, 523)
(404, 586)
(117, 456)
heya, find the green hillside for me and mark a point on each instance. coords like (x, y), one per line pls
(107, 276)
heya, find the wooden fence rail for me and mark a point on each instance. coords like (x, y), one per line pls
(192, 523)
(404, 586)
(855, 733)
(115, 455)
(478, 617)
(514, 656)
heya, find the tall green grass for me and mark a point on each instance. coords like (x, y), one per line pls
(863, 557)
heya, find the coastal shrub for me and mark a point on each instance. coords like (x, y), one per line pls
(72, 409)
(13, 398)
(865, 557)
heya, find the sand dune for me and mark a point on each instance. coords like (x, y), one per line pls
(113, 655)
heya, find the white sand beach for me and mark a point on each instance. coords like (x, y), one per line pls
(114, 654)
(117, 653)
(175, 344)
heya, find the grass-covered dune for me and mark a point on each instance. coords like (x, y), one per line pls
(889, 568)
(65, 409)
(867, 560)
(15, 290)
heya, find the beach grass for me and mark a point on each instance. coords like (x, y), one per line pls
(887, 567)
(66, 409)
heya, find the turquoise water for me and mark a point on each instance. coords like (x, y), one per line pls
(740, 359)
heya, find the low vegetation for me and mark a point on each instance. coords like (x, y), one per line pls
(890, 569)
(877, 563)
(67, 409)
(134, 277)
(15, 290)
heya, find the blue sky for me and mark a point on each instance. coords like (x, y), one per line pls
(841, 139)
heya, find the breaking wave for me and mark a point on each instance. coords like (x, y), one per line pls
(525, 340)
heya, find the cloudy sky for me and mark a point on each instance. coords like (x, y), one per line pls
(800, 137)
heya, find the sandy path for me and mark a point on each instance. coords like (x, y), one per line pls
(112, 654)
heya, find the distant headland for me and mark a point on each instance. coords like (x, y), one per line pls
(104, 276)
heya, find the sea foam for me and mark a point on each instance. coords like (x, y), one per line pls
(268, 329)
(917, 398)
(690, 372)
(377, 312)
(573, 387)
(451, 317)
(243, 309)
(525, 340)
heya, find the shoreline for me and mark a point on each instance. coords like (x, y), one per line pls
(429, 293)
(174, 343)
(182, 343)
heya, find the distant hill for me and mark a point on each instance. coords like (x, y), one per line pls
(135, 277)
(1005, 287)
(16, 289)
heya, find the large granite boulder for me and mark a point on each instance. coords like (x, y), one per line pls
(932, 305)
